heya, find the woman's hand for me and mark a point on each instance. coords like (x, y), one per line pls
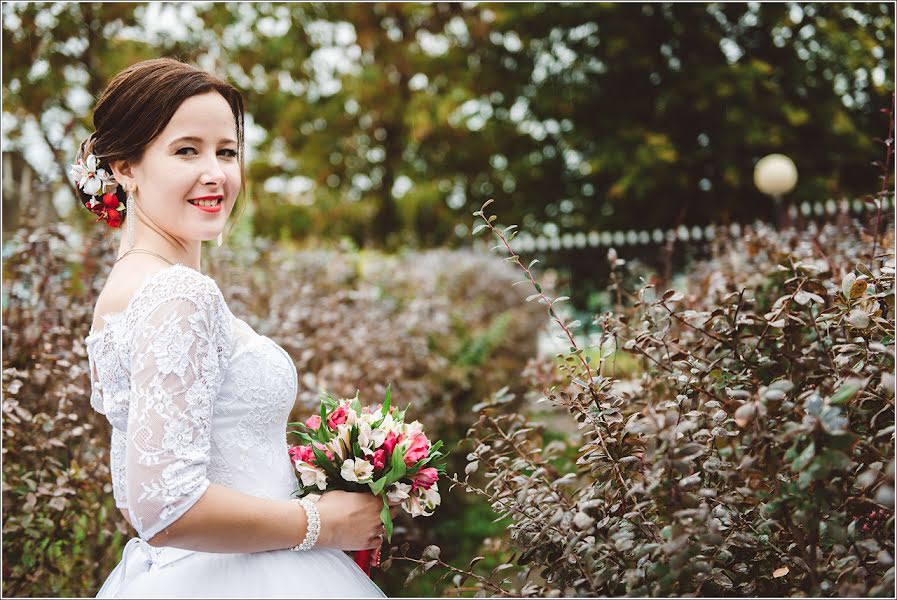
(350, 520)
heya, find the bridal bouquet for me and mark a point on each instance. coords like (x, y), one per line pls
(349, 447)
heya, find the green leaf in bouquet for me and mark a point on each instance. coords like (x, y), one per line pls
(302, 436)
(397, 466)
(355, 404)
(323, 434)
(328, 402)
(324, 462)
(384, 410)
(386, 518)
(356, 450)
(377, 486)
(425, 462)
(397, 469)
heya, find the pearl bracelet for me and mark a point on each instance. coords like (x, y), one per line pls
(314, 525)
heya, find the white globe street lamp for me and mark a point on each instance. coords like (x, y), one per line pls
(775, 175)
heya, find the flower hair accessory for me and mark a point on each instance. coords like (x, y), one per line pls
(100, 190)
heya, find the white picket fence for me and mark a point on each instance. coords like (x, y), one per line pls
(526, 243)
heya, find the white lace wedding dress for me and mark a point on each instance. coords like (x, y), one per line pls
(195, 396)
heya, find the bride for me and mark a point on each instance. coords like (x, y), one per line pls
(197, 400)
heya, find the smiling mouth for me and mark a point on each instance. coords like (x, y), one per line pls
(206, 201)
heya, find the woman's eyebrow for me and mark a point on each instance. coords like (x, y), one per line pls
(196, 140)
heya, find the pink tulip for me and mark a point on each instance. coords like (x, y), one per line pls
(418, 449)
(338, 417)
(424, 479)
(313, 422)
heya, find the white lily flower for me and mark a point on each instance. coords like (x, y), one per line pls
(412, 428)
(351, 416)
(430, 498)
(398, 492)
(91, 180)
(90, 184)
(311, 475)
(389, 425)
(422, 503)
(358, 470)
(364, 437)
(369, 439)
(340, 445)
(378, 436)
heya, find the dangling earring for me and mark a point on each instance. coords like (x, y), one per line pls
(220, 239)
(130, 216)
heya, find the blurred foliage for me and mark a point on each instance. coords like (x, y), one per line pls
(386, 121)
(350, 319)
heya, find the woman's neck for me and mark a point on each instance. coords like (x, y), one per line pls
(188, 254)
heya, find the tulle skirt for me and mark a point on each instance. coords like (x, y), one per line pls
(148, 572)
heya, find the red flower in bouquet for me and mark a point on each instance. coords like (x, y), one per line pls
(379, 459)
(338, 417)
(424, 479)
(418, 449)
(391, 441)
(303, 453)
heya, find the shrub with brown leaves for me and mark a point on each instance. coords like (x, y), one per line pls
(754, 455)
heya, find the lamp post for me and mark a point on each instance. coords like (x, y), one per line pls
(775, 175)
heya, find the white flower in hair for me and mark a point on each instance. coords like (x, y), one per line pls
(92, 180)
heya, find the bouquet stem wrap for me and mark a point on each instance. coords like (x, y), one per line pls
(367, 559)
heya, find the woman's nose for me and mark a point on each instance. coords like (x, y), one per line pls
(212, 172)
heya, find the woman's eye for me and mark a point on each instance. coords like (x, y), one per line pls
(187, 150)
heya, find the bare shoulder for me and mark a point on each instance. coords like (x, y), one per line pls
(123, 282)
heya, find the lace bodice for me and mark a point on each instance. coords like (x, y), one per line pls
(194, 396)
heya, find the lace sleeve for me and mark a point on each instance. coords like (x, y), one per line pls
(177, 367)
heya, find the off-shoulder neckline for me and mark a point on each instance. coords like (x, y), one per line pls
(92, 335)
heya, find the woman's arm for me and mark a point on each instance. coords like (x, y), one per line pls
(225, 520)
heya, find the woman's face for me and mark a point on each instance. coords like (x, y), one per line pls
(190, 165)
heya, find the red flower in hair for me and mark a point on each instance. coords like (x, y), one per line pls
(100, 186)
(113, 217)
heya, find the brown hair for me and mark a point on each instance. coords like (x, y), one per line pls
(139, 102)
